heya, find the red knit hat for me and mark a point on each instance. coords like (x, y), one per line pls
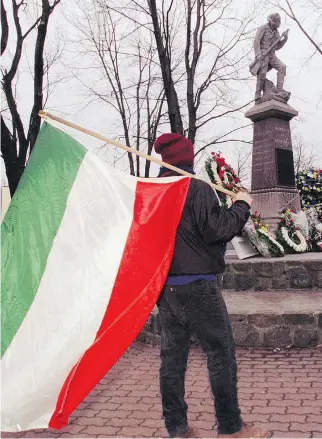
(175, 149)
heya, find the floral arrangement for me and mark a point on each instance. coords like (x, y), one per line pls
(315, 238)
(275, 247)
(292, 235)
(315, 230)
(259, 235)
(309, 185)
(223, 174)
(288, 234)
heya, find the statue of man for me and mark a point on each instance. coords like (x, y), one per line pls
(267, 41)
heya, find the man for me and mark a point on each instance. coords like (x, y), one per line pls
(191, 302)
(266, 36)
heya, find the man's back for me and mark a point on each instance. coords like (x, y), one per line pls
(203, 231)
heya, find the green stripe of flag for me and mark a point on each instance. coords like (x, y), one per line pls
(32, 221)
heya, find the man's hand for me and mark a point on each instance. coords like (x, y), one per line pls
(244, 196)
(259, 57)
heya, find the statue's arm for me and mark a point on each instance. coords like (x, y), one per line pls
(257, 41)
(282, 42)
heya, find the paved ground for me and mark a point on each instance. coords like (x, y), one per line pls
(282, 390)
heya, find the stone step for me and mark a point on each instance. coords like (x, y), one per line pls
(299, 271)
(267, 318)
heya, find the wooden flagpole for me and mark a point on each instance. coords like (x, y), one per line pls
(45, 115)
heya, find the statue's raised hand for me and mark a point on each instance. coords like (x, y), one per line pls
(285, 34)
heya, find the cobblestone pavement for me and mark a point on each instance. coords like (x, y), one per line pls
(281, 390)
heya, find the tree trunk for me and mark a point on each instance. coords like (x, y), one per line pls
(170, 91)
(35, 121)
(4, 28)
(14, 170)
(14, 173)
(192, 112)
(15, 146)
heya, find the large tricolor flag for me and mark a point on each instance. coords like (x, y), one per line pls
(85, 252)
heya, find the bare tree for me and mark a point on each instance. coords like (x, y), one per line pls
(16, 141)
(203, 51)
(305, 156)
(209, 79)
(163, 43)
(315, 9)
(154, 116)
(124, 79)
(148, 110)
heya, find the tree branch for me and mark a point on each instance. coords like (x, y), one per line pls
(35, 121)
(171, 94)
(291, 14)
(225, 113)
(221, 139)
(16, 119)
(4, 28)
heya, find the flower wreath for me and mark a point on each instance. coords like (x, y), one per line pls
(223, 174)
(309, 185)
(267, 245)
(289, 235)
(315, 230)
(317, 209)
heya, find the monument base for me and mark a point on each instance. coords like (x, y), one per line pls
(271, 109)
(271, 202)
(272, 302)
(273, 179)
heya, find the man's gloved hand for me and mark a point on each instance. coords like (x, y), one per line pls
(244, 196)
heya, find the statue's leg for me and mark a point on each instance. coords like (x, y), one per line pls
(261, 75)
(281, 70)
(259, 86)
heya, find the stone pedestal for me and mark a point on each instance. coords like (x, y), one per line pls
(273, 179)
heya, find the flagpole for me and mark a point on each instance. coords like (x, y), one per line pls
(45, 115)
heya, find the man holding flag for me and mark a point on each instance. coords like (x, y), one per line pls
(192, 303)
(74, 299)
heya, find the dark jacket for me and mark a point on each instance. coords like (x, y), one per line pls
(204, 229)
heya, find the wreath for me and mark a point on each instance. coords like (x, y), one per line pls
(223, 174)
(289, 235)
(315, 238)
(309, 185)
(262, 238)
(315, 230)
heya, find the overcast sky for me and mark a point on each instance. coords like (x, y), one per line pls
(69, 96)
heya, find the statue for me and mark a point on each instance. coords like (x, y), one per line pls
(267, 41)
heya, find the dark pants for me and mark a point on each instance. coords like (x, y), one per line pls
(197, 308)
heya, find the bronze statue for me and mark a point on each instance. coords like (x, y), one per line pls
(267, 41)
